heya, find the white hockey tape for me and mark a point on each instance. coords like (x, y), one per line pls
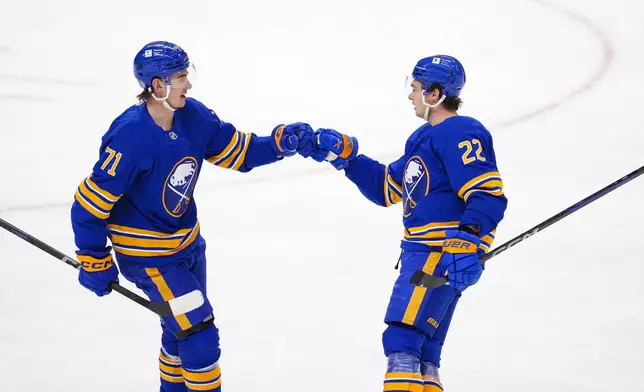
(330, 156)
(186, 302)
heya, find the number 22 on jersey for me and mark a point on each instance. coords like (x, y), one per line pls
(111, 155)
(468, 156)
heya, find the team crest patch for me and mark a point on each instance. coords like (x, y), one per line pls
(415, 183)
(178, 187)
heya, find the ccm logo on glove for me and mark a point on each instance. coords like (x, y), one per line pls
(96, 265)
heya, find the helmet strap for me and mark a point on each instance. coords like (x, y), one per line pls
(164, 100)
(428, 106)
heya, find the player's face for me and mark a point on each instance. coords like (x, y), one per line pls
(416, 98)
(179, 86)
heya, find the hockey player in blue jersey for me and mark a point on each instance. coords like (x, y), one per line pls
(452, 199)
(140, 196)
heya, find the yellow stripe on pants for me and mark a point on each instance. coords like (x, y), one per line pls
(419, 292)
(167, 295)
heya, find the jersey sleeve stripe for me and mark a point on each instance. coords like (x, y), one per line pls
(101, 192)
(228, 161)
(87, 205)
(495, 192)
(224, 154)
(242, 156)
(385, 189)
(393, 185)
(395, 198)
(94, 198)
(391, 189)
(479, 181)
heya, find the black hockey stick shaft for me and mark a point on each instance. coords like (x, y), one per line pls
(423, 279)
(161, 308)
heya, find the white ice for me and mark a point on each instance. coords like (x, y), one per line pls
(300, 264)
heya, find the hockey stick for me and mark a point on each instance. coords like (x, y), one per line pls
(423, 279)
(163, 309)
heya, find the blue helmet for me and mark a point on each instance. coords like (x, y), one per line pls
(159, 59)
(444, 70)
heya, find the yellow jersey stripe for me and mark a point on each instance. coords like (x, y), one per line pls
(231, 158)
(145, 243)
(395, 198)
(431, 234)
(496, 192)
(393, 184)
(100, 203)
(90, 208)
(227, 150)
(102, 192)
(476, 180)
(242, 156)
(152, 253)
(385, 189)
(433, 225)
(148, 233)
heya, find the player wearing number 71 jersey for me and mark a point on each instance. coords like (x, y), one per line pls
(140, 196)
(452, 200)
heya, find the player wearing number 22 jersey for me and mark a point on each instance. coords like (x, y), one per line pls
(452, 201)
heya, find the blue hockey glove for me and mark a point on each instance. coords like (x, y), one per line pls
(306, 141)
(96, 274)
(284, 138)
(339, 147)
(460, 259)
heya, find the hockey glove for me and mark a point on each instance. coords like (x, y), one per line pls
(284, 138)
(460, 259)
(97, 274)
(306, 142)
(340, 148)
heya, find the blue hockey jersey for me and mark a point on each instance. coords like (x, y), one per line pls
(140, 191)
(447, 177)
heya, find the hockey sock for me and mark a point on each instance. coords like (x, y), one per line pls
(170, 368)
(403, 373)
(430, 377)
(206, 379)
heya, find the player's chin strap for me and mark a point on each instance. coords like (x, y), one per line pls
(164, 100)
(428, 106)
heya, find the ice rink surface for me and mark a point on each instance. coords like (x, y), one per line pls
(300, 301)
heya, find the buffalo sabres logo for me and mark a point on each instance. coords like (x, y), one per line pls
(415, 183)
(179, 185)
